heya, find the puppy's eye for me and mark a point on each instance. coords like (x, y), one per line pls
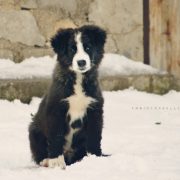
(87, 48)
(73, 49)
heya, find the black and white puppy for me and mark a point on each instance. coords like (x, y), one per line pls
(68, 124)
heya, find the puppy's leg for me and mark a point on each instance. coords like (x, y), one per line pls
(55, 153)
(94, 130)
(77, 156)
(38, 144)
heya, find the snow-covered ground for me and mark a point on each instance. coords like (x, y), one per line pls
(112, 64)
(141, 131)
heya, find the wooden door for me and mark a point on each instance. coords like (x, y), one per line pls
(164, 34)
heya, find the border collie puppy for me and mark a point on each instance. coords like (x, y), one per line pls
(68, 124)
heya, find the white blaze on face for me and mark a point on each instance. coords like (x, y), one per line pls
(80, 55)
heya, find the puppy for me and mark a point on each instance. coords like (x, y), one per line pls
(69, 121)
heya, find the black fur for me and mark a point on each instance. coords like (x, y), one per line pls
(76, 124)
(50, 124)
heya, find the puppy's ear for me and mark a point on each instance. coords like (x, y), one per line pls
(95, 34)
(59, 41)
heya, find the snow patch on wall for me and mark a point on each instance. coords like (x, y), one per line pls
(112, 65)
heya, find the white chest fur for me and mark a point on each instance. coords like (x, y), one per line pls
(78, 104)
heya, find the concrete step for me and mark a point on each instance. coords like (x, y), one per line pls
(25, 89)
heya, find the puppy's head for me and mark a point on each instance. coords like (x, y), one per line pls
(79, 49)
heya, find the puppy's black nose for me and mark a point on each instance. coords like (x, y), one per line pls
(81, 63)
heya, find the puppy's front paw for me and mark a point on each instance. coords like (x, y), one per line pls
(44, 163)
(55, 162)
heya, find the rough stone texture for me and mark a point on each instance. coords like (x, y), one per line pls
(6, 54)
(131, 45)
(53, 15)
(162, 84)
(123, 19)
(27, 88)
(66, 5)
(20, 26)
(82, 14)
(10, 4)
(29, 4)
(49, 20)
(141, 83)
(46, 20)
(13, 50)
(29, 23)
(36, 52)
(114, 83)
(9, 50)
(111, 45)
(177, 84)
(64, 23)
(23, 89)
(5, 44)
(18, 52)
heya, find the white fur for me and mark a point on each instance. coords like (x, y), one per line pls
(78, 104)
(55, 162)
(44, 162)
(80, 55)
(69, 137)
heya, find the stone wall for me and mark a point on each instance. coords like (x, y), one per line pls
(25, 89)
(27, 25)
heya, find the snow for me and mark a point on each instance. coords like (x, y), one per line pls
(140, 148)
(41, 67)
(112, 64)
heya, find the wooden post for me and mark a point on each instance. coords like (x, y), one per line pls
(146, 30)
(165, 35)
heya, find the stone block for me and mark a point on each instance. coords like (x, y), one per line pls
(6, 54)
(69, 6)
(114, 83)
(46, 20)
(9, 4)
(124, 20)
(63, 24)
(29, 4)
(36, 52)
(111, 45)
(131, 45)
(23, 89)
(162, 84)
(141, 83)
(20, 26)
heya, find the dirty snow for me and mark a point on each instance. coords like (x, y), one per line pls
(141, 131)
(112, 64)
